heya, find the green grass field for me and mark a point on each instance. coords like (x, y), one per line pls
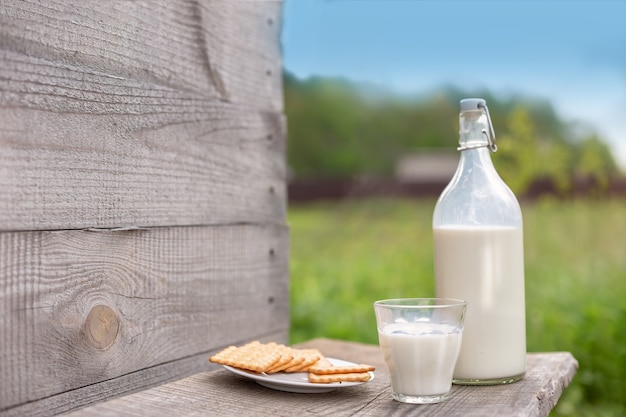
(345, 255)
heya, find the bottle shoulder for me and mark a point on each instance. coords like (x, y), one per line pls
(477, 195)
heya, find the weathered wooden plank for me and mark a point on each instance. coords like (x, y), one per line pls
(68, 171)
(161, 159)
(83, 307)
(126, 384)
(226, 51)
(120, 113)
(547, 376)
(223, 393)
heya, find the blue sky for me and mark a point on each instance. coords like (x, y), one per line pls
(572, 52)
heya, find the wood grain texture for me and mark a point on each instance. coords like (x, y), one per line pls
(93, 394)
(223, 393)
(175, 292)
(227, 51)
(58, 173)
(136, 115)
(119, 113)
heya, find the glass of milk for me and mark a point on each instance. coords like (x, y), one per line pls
(420, 339)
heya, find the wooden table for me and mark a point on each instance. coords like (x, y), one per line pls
(222, 393)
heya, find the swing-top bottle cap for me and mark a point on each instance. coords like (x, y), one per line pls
(469, 104)
(473, 104)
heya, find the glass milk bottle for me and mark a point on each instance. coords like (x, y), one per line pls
(479, 257)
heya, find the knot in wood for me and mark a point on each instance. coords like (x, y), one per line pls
(102, 327)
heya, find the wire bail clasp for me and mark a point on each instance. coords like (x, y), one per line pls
(491, 135)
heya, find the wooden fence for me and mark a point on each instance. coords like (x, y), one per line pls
(142, 193)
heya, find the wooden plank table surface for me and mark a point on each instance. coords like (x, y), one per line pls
(220, 392)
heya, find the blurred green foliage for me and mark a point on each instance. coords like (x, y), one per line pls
(340, 129)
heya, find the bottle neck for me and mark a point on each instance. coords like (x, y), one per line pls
(473, 130)
(474, 157)
(474, 144)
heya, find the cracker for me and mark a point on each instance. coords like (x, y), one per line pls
(272, 357)
(307, 358)
(284, 361)
(301, 360)
(348, 377)
(291, 360)
(253, 356)
(349, 369)
(324, 362)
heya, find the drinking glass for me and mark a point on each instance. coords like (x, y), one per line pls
(420, 339)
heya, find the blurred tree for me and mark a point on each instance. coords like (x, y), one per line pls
(523, 157)
(516, 159)
(595, 162)
(339, 129)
